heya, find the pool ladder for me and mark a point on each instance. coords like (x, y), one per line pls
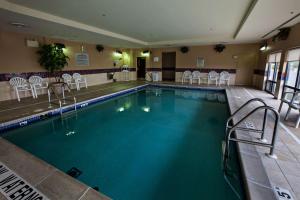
(61, 101)
(262, 141)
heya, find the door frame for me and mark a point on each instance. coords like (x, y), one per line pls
(297, 83)
(273, 82)
(137, 69)
(166, 69)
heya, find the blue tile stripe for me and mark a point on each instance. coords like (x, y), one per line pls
(17, 123)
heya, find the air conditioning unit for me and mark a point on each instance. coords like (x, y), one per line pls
(32, 43)
(155, 76)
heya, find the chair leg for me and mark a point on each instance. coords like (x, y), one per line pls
(298, 121)
(49, 96)
(35, 93)
(17, 93)
(280, 106)
(287, 113)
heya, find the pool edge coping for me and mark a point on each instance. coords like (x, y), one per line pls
(20, 122)
(249, 191)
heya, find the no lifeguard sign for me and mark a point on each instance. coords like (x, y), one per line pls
(13, 187)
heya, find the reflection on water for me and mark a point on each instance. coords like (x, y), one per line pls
(162, 99)
(213, 96)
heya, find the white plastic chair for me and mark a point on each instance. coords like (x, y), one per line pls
(125, 71)
(213, 76)
(69, 80)
(287, 98)
(37, 83)
(224, 77)
(187, 75)
(293, 103)
(79, 80)
(196, 76)
(21, 85)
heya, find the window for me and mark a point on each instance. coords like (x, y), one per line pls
(272, 71)
(292, 82)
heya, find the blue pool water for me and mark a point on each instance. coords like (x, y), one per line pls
(157, 143)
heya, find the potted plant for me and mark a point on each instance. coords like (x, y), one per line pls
(52, 57)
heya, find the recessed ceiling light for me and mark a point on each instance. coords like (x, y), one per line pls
(292, 12)
(18, 24)
(103, 15)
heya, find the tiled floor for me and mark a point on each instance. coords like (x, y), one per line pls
(13, 109)
(262, 172)
(283, 172)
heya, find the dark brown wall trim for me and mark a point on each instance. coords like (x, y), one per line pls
(26, 75)
(154, 69)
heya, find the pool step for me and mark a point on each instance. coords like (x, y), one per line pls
(69, 114)
(250, 125)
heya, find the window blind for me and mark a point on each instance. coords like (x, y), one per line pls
(274, 57)
(293, 55)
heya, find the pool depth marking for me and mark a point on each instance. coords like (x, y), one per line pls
(12, 186)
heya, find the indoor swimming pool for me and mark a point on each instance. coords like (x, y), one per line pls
(154, 143)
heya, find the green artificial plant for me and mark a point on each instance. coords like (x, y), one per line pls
(52, 57)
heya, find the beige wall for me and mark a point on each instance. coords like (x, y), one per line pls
(244, 64)
(17, 57)
(283, 46)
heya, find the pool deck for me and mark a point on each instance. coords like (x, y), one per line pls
(261, 173)
(12, 109)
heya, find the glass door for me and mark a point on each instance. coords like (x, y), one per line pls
(272, 72)
(292, 82)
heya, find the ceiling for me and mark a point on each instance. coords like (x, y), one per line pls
(154, 23)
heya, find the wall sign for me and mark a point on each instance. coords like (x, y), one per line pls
(200, 62)
(82, 59)
(282, 194)
(12, 186)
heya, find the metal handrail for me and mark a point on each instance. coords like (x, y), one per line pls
(254, 130)
(235, 127)
(50, 87)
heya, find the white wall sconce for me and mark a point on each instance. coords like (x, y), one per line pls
(146, 53)
(263, 47)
